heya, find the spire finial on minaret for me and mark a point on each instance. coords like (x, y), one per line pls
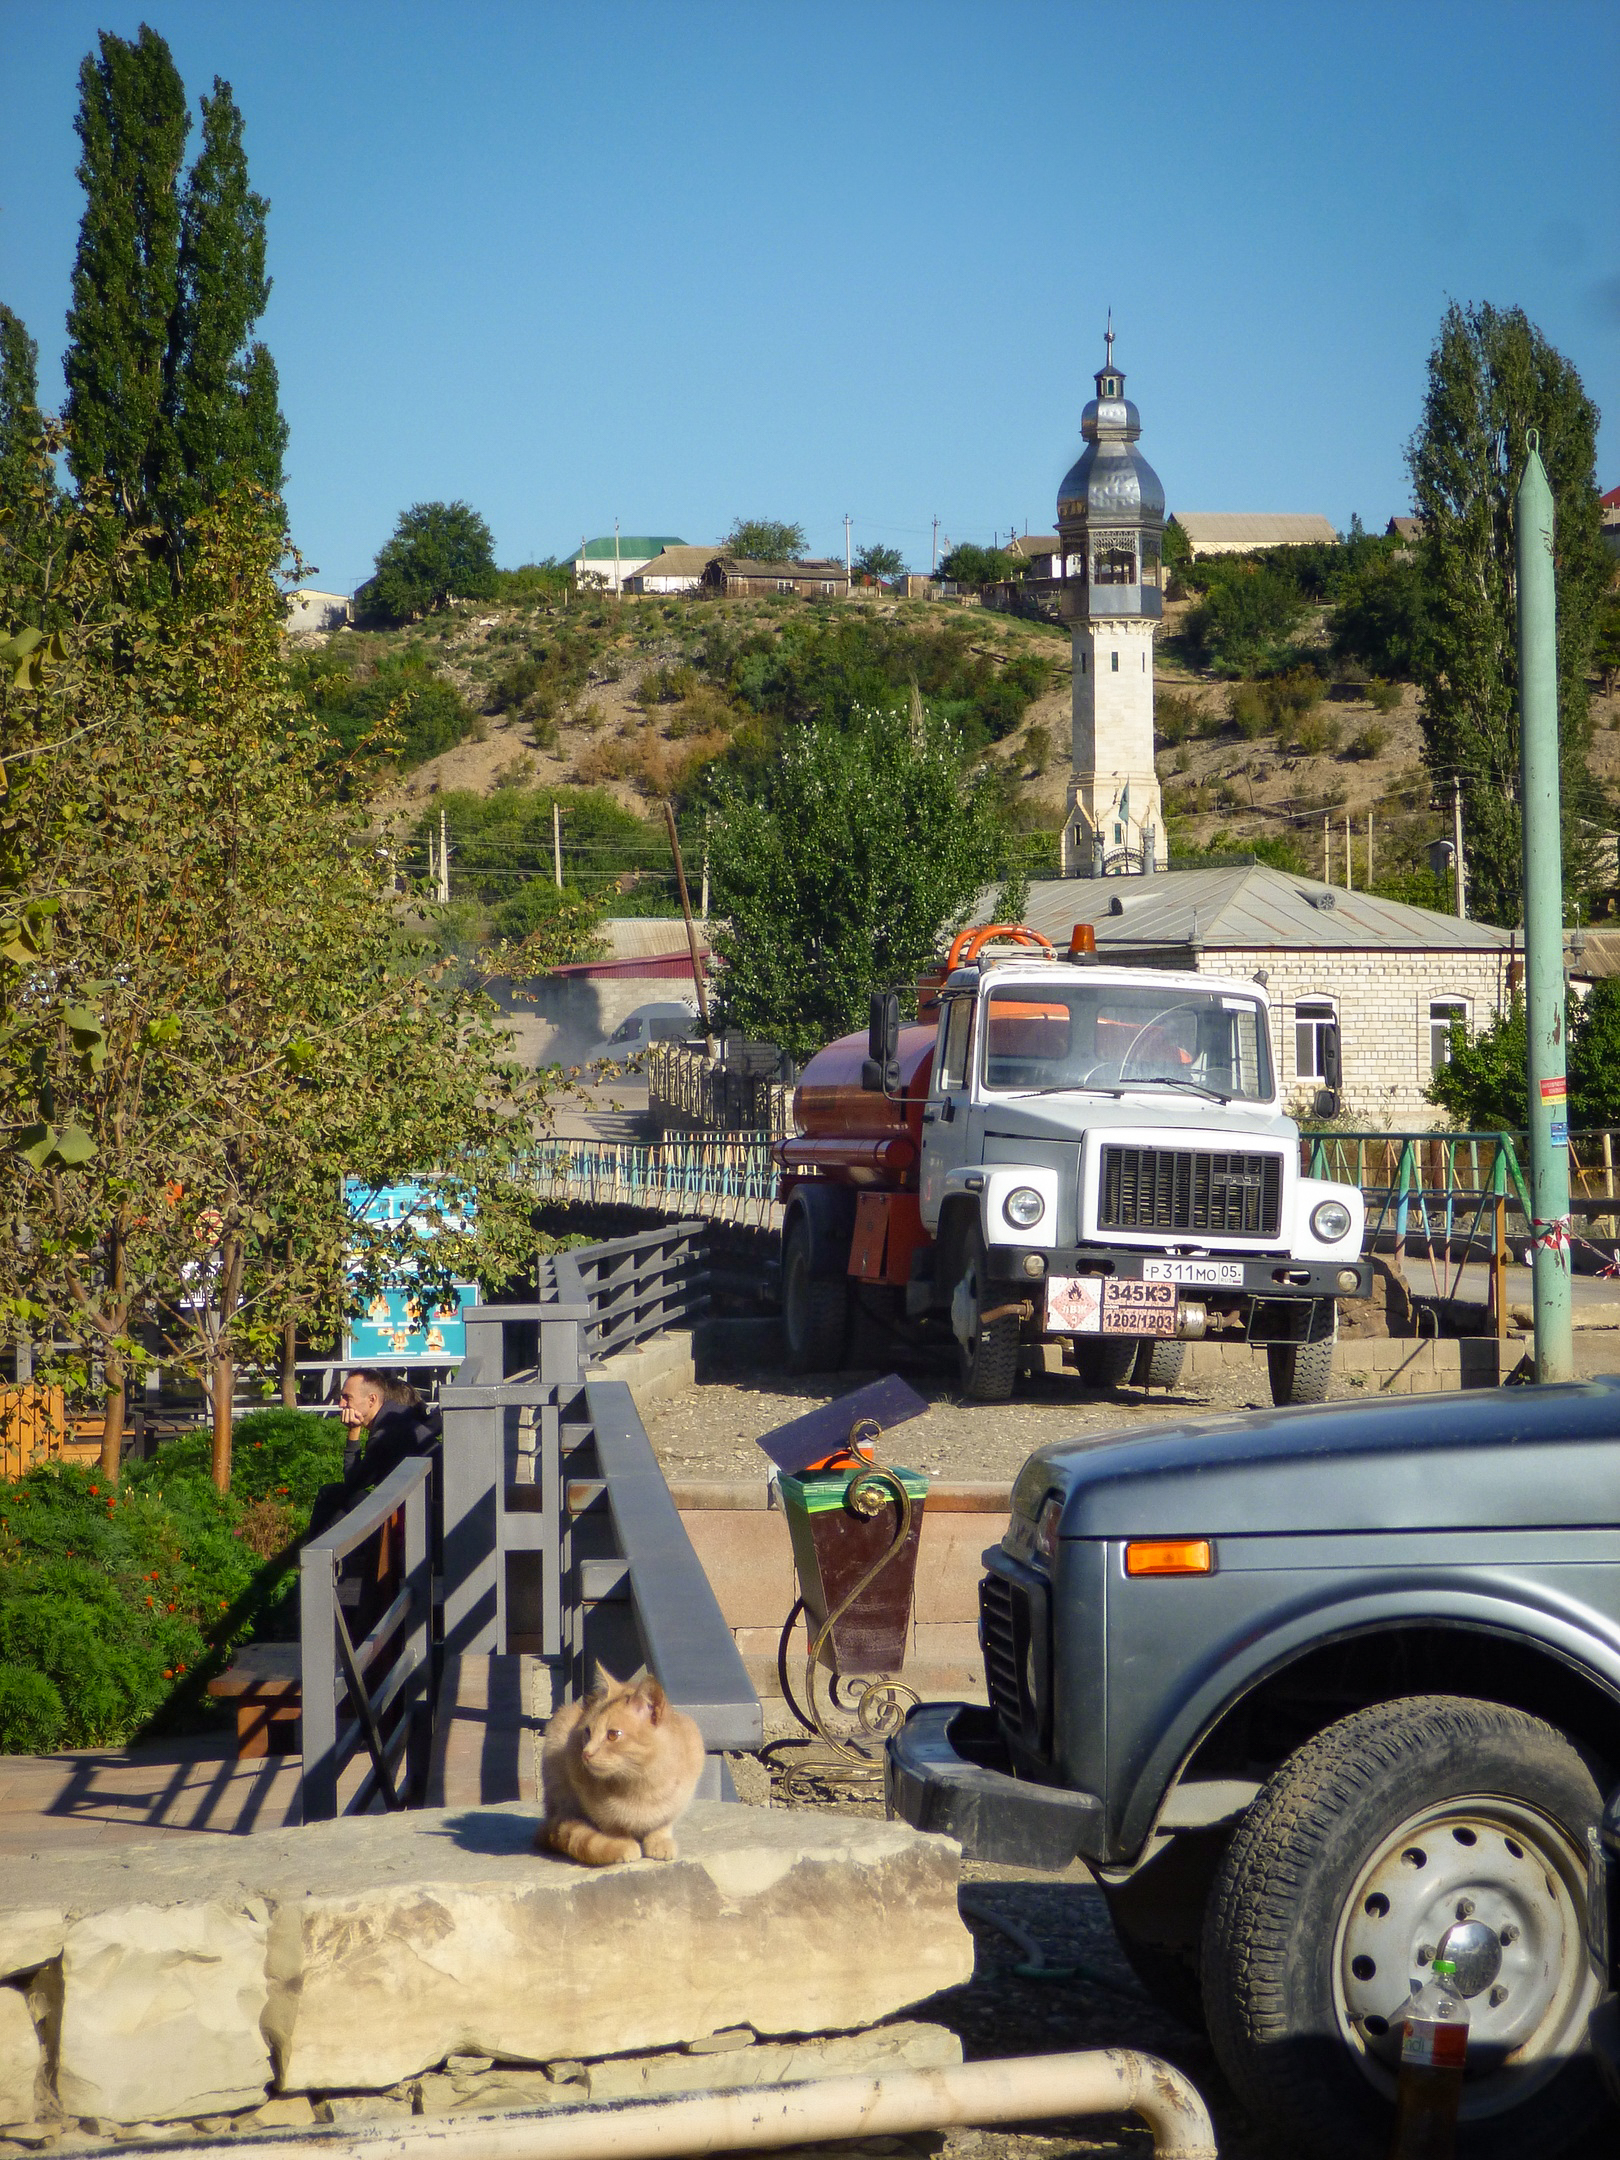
(1108, 340)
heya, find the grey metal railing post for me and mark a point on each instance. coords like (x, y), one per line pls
(317, 1663)
(474, 1480)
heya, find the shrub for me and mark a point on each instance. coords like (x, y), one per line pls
(1249, 711)
(1175, 716)
(1038, 749)
(1384, 697)
(1246, 615)
(1313, 735)
(1228, 797)
(439, 551)
(1369, 742)
(1289, 697)
(32, 1718)
(400, 701)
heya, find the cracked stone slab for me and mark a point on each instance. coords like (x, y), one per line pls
(20, 2060)
(393, 1942)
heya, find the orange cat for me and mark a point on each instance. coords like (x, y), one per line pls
(615, 1772)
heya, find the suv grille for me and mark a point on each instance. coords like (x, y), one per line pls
(1148, 1188)
(1002, 1668)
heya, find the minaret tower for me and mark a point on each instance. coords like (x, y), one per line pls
(1111, 519)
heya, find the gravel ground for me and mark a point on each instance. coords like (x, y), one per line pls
(710, 1431)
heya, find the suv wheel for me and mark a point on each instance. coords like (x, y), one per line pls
(987, 1350)
(1378, 1836)
(815, 1309)
(1300, 1372)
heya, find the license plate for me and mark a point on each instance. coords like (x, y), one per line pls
(1100, 1305)
(1206, 1274)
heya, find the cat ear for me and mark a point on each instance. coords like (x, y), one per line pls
(656, 1700)
(605, 1681)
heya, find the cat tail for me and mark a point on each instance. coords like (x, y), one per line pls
(583, 1842)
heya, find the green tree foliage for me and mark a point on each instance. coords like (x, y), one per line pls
(223, 396)
(969, 564)
(1248, 614)
(1606, 636)
(835, 661)
(879, 561)
(501, 844)
(765, 540)
(1492, 377)
(1377, 617)
(1485, 1086)
(439, 552)
(171, 402)
(132, 127)
(21, 426)
(839, 873)
(379, 703)
(541, 926)
(207, 987)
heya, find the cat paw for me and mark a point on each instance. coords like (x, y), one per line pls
(659, 1846)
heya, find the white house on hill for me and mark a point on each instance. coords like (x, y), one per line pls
(1243, 532)
(608, 562)
(1388, 979)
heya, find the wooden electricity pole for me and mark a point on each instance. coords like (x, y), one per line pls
(691, 928)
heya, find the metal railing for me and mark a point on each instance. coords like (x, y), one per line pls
(560, 1537)
(730, 1178)
(687, 1087)
(376, 1693)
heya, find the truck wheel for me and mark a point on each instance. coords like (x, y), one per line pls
(815, 1310)
(1158, 1364)
(1384, 1831)
(987, 1350)
(1300, 1372)
(1105, 1361)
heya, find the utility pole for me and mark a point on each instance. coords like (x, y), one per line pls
(703, 904)
(444, 857)
(1543, 917)
(1327, 852)
(848, 570)
(1369, 851)
(1349, 861)
(1457, 847)
(615, 555)
(691, 929)
(933, 566)
(556, 840)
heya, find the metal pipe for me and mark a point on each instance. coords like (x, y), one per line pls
(1543, 917)
(1025, 2088)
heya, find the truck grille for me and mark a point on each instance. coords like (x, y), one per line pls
(1002, 1665)
(1149, 1188)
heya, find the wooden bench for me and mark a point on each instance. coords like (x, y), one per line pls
(263, 1684)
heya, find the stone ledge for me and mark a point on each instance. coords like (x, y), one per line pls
(351, 1955)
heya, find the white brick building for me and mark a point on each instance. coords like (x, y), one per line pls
(1387, 978)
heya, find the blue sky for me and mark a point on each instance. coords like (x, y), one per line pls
(681, 263)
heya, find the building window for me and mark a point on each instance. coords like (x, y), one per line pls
(1444, 1013)
(1115, 658)
(1119, 835)
(1114, 566)
(1314, 1022)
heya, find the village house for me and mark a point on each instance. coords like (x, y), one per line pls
(1043, 552)
(608, 561)
(308, 609)
(1386, 979)
(738, 579)
(1243, 532)
(676, 570)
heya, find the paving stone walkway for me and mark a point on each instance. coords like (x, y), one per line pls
(96, 1797)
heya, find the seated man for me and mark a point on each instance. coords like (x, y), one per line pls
(396, 1424)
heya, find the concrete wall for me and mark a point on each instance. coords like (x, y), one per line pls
(570, 1013)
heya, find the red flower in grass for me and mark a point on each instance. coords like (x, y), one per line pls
(95, 1492)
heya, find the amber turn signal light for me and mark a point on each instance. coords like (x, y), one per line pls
(1169, 1556)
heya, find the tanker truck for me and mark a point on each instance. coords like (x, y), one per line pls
(1059, 1151)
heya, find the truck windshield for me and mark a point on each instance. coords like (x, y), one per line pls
(1125, 1036)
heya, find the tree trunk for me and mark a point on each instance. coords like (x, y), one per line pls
(224, 1388)
(289, 1364)
(112, 1432)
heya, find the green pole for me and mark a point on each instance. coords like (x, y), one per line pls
(1543, 917)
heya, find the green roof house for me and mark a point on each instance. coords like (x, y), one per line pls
(608, 562)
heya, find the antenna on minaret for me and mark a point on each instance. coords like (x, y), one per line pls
(1108, 340)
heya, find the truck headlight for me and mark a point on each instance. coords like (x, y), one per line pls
(1330, 1221)
(1023, 1207)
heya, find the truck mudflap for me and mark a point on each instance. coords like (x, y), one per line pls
(941, 1774)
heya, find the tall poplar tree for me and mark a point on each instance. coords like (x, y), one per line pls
(132, 124)
(1492, 377)
(223, 391)
(20, 422)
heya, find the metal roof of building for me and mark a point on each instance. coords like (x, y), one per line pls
(1245, 907)
(1207, 528)
(682, 561)
(634, 545)
(647, 937)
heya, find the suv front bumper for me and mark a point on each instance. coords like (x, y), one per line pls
(946, 1770)
(1267, 1275)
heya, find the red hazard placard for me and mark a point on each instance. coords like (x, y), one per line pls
(1554, 1090)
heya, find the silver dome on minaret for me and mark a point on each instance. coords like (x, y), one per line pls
(1111, 508)
(1111, 524)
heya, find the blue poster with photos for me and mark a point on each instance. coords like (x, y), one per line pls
(393, 1323)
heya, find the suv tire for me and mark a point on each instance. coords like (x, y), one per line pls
(1495, 1806)
(815, 1309)
(987, 1350)
(1300, 1372)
